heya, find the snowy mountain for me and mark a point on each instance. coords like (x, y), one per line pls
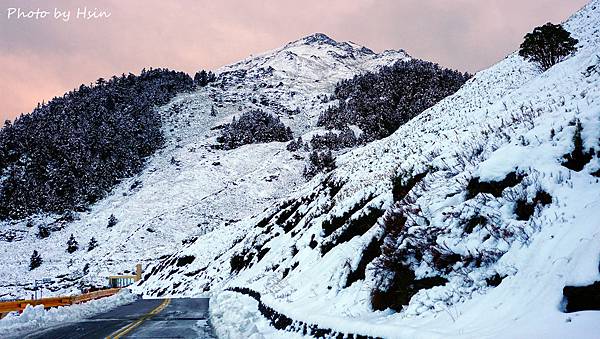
(474, 198)
(188, 188)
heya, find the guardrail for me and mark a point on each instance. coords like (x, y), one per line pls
(19, 305)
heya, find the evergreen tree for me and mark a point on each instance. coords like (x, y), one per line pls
(379, 103)
(35, 261)
(319, 161)
(70, 152)
(203, 78)
(547, 45)
(92, 244)
(295, 145)
(254, 127)
(213, 111)
(72, 244)
(212, 77)
(334, 141)
(43, 232)
(112, 221)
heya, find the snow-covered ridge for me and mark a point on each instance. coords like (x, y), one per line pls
(509, 118)
(189, 189)
(296, 79)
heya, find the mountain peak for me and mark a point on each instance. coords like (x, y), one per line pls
(318, 38)
(315, 39)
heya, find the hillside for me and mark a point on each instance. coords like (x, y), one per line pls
(188, 188)
(474, 203)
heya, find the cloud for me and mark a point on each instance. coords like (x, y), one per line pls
(44, 58)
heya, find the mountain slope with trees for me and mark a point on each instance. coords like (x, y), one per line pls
(477, 218)
(188, 186)
(70, 152)
(378, 103)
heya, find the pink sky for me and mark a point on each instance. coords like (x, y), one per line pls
(43, 58)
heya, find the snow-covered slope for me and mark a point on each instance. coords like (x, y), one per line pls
(188, 188)
(294, 81)
(304, 253)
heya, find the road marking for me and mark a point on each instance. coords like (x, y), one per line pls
(125, 330)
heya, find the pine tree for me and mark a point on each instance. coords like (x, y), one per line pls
(201, 78)
(213, 111)
(36, 260)
(43, 232)
(92, 244)
(72, 244)
(319, 162)
(83, 143)
(112, 221)
(379, 103)
(254, 127)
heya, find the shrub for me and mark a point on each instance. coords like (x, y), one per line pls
(578, 158)
(335, 222)
(494, 280)
(185, 260)
(474, 221)
(369, 253)
(547, 45)
(295, 145)
(495, 188)
(582, 298)
(400, 188)
(353, 228)
(237, 262)
(403, 286)
(35, 261)
(253, 127)
(525, 209)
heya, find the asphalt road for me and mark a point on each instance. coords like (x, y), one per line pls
(145, 318)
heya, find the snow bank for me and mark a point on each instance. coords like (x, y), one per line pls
(36, 317)
(234, 315)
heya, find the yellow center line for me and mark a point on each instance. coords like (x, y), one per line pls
(125, 330)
